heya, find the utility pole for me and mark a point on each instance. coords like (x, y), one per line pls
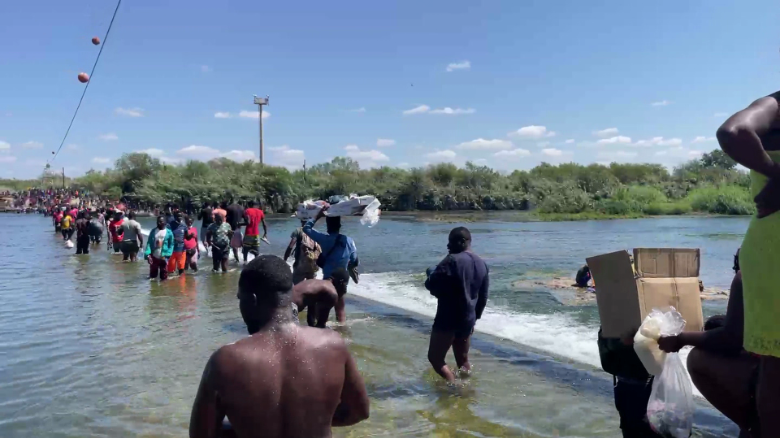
(63, 177)
(304, 171)
(260, 101)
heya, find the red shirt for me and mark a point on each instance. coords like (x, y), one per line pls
(254, 216)
(112, 228)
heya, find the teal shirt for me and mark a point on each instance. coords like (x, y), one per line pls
(167, 247)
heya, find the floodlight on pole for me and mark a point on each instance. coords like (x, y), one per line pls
(260, 101)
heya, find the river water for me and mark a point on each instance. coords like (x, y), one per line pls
(90, 348)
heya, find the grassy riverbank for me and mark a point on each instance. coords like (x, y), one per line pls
(709, 185)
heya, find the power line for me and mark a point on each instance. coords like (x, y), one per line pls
(94, 66)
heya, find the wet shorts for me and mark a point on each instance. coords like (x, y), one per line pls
(252, 244)
(129, 247)
(176, 261)
(463, 332)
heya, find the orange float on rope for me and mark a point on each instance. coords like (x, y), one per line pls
(95, 40)
(83, 78)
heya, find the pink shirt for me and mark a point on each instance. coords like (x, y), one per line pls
(191, 243)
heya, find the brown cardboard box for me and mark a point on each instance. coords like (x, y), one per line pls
(625, 298)
(667, 262)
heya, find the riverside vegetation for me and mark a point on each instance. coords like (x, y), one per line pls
(709, 185)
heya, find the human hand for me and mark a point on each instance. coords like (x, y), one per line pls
(768, 200)
(321, 213)
(670, 344)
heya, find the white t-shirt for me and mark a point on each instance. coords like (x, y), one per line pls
(159, 238)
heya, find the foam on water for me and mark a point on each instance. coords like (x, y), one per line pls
(557, 334)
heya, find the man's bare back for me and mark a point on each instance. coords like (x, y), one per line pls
(282, 381)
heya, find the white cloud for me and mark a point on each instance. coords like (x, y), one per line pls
(130, 112)
(659, 141)
(287, 157)
(384, 142)
(569, 141)
(366, 158)
(152, 152)
(514, 153)
(620, 139)
(543, 144)
(205, 68)
(611, 155)
(453, 111)
(552, 152)
(239, 156)
(223, 115)
(604, 133)
(661, 103)
(109, 137)
(362, 109)
(720, 115)
(195, 151)
(73, 147)
(32, 145)
(533, 132)
(462, 65)
(253, 114)
(101, 160)
(480, 161)
(680, 152)
(5, 146)
(7, 159)
(421, 109)
(445, 155)
(481, 143)
(702, 139)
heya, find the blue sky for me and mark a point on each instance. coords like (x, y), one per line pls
(508, 84)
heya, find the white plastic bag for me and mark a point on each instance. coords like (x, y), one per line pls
(371, 214)
(670, 408)
(657, 323)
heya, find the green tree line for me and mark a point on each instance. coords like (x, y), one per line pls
(711, 184)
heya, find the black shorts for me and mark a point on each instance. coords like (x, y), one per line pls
(129, 247)
(459, 331)
(218, 253)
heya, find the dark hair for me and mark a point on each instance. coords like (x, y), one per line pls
(460, 233)
(266, 277)
(250, 203)
(333, 223)
(131, 215)
(160, 217)
(205, 204)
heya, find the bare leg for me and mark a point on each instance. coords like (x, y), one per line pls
(724, 382)
(437, 353)
(341, 311)
(225, 263)
(768, 396)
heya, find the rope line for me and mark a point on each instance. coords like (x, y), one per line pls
(91, 73)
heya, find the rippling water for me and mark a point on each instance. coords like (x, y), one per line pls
(90, 348)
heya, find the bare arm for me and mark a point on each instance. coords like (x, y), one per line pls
(290, 248)
(207, 413)
(265, 228)
(354, 406)
(140, 236)
(740, 136)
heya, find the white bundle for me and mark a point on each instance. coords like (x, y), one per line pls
(366, 206)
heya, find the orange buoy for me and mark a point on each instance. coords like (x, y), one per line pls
(95, 41)
(83, 78)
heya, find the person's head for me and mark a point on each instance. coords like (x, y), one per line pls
(131, 215)
(223, 205)
(118, 216)
(218, 219)
(459, 240)
(80, 215)
(87, 215)
(736, 261)
(178, 216)
(263, 287)
(251, 203)
(160, 222)
(333, 224)
(206, 204)
(188, 220)
(340, 279)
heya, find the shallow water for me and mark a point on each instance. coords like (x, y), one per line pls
(89, 347)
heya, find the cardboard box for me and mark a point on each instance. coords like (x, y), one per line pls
(667, 262)
(624, 297)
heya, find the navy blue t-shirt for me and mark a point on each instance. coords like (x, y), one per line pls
(460, 282)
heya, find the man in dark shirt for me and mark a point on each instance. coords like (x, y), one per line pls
(207, 217)
(82, 233)
(235, 217)
(460, 282)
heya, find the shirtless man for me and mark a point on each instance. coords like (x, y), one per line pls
(319, 296)
(283, 380)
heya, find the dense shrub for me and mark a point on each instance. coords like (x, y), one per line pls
(732, 200)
